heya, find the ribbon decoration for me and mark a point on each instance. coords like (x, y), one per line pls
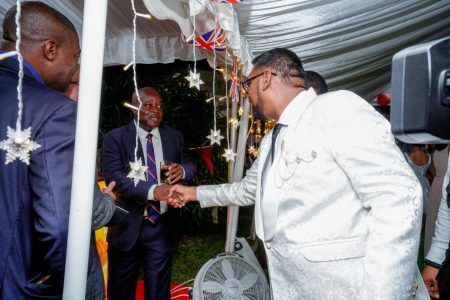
(235, 82)
(227, 1)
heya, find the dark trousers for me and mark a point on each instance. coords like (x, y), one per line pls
(154, 249)
(443, 277)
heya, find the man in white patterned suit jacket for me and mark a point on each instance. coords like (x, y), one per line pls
(338, 209)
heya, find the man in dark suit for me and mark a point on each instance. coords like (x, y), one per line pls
(149, 232)
(35, 199)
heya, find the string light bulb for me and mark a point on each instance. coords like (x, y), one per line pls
(8, 54)
(128, 66)
(128, 105)
(145, 16)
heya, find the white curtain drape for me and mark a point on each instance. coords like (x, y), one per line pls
(157, 41)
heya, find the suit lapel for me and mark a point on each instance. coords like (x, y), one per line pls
(164, 142)
(272, 195)
(258, 204)
(130, 142)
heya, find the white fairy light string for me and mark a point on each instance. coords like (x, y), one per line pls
(138, 169)
(215, 136)
(229, 153)
(20, 58)
(194, 77)
(19, 143)
(214, 85)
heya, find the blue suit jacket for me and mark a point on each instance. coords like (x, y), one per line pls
(35, 199)
(118, 152)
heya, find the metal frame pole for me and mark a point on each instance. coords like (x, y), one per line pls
(93, 40)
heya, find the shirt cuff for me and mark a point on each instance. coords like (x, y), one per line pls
(150, 192)
(184, 173)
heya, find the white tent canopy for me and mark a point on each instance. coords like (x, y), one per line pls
(350, 42)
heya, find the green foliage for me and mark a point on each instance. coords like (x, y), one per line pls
(192, 216)
(185, 108)
(194, 251)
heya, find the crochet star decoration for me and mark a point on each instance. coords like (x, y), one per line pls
(18, 145)
(194, 80)
(215, 137)
(229, 154)
(137, 171)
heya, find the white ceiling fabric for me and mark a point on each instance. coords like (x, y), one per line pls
(350, 42)
(158, 41)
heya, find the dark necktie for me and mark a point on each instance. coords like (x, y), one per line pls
(275, 132)
(153, 210)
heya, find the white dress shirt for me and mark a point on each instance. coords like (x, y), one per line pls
(157, 147)
(441, 237)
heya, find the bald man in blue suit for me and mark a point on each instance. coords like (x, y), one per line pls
(139, 238)
(35, 198)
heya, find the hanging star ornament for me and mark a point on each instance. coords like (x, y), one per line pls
(229, 154)
(18, 145)
(215, 137)
(194, 80)
(137, 171)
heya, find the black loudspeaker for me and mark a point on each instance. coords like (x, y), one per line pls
(420, 108)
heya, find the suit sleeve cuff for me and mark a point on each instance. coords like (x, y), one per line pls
(432, 264)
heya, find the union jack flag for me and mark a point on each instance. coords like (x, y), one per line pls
(227, 1)
(235, 82)
(214, 39)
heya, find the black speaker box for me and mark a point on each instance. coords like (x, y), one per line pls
(420, 108)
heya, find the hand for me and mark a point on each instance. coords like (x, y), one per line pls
(109, 190)
(429, 277)
(179, 195)
(175, 173)
(161, 192)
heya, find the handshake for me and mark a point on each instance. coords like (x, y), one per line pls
(175, 195)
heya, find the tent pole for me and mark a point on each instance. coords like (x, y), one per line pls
(93, 40)
(237, 174)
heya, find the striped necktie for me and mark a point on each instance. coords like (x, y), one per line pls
(153, 210)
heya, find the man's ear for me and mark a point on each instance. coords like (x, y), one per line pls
(49, 49)
(267, 77)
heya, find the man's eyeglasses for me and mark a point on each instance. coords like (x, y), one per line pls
(246, 84)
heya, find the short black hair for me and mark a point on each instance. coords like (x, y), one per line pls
(38, 21)
(284, 62)
(317, 82)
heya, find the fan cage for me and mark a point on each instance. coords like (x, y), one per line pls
(213, 271)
